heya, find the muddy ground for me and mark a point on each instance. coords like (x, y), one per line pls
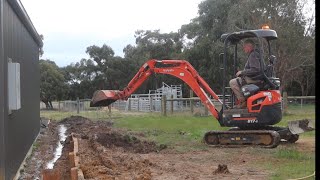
(109, 153)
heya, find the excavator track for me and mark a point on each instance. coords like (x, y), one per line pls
(238, 138)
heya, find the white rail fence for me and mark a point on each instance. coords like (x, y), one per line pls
(143, 103)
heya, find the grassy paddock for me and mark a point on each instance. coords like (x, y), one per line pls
(184, 132)
(286, 162)
(177, 122)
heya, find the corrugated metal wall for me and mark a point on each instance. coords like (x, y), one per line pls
(22, 126)
(2, 100)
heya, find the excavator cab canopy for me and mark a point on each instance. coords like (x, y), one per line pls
(267, 72)
(235, 37)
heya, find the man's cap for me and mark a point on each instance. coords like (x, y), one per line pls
(249, 41)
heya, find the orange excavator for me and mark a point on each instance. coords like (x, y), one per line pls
(252, 125)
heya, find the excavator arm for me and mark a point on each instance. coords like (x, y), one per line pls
(179, 68)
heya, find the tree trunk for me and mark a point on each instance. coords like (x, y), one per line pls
(303, 92)
(46, 103)
(50, 104)
(110, 83)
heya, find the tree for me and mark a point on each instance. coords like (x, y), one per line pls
(102, 71)
(294, 48)
(199, 43)
(81, 77)
(52, 83)
(202, 41)
(101, 55)
(111, 71)
(154, 45)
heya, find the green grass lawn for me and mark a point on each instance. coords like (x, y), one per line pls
(286, 162)
(184, 132)
(183, 123)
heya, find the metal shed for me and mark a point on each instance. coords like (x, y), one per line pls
(19, 86)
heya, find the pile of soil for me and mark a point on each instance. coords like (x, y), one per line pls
(109, 153)
(106, 152)
(222, 169)
(107, 136)
(100, 162)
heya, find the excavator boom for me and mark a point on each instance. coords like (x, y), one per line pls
(179, 68)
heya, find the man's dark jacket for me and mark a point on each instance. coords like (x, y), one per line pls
(252, 67)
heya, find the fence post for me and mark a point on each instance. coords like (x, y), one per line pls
(138, 104)
(164, 105)
(151, 104)
(301, 102)
(78, 105)
(285, 102)
(206, 113)
(59, 105)
(129, 106)
(191, 101)
(171, 105)
(109, 108)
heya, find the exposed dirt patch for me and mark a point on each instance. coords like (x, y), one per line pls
(109, 153)
(222, 169)
(111, 163)
(306, 144)
(42, 151)
(128, 142)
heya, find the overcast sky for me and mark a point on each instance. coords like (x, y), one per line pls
(69, 26)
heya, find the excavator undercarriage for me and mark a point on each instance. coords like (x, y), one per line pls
(267, 136)
(263, 138)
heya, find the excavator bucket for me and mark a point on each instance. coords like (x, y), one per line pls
(104, 97)
(300, 126)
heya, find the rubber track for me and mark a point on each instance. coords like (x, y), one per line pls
(242, 138)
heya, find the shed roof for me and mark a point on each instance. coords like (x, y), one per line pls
(25, 19)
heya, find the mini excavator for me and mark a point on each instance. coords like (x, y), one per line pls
(250, 126)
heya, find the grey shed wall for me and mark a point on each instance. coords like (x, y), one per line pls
(21, 43)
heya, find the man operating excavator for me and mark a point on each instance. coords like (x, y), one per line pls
(249, 126)
(251, 69)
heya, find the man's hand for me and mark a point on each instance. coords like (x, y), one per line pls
(238, 73)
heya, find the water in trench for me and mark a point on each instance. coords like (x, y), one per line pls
(58, 151)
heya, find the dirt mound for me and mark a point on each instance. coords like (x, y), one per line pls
(75, 120)
(102, 132)
(85, 127)
(127, 142)
(79, 120)
(99, 162)
(106, 152)
(222, 169)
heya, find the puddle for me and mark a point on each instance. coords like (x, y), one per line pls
(58, 151)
